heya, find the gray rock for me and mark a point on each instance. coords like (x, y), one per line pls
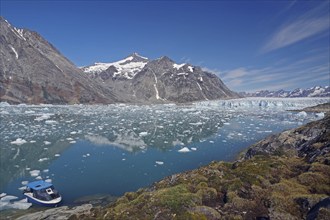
(309, 141)
(33, 71)
(60, 213)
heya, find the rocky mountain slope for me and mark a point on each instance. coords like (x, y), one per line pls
(316, 91)
(34, 71)
(160, 80)
(286, 176)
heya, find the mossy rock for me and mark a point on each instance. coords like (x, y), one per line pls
(324, 214)
(200, 213)
(208, 195)
(131, 195)
(202, 185)
(316, 182)
(176, 198)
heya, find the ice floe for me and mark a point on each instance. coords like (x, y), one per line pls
(7, 203)
(19, 141)
(184, 150)
(34, 173)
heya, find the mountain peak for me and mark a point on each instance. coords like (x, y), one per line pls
(165, 59)
(135, 57)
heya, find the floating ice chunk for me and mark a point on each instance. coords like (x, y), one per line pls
(226, 123)
(193, 148)
(87, 155)
(43, 159)
(177, 142)
(142, 134)
(21, 204)
(22, 188)
(5, 203)
(50, 122)
(3, 195)
(159, 162)
(48, 180)
(46, 171)
(57, 155)
(320, 115)
(38, 178)
(32, 141)
(42, 117)
(34, 173)
(212, 142)
(47, 142)
(25, 182)
(302, 114)
(184, 150)
(8, 198)
(72, 142)
(73, 132)
(29, 112)
(18, 141)
(123, 159)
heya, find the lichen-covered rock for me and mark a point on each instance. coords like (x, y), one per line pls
(64, 212)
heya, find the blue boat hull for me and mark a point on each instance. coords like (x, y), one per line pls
(41, 203)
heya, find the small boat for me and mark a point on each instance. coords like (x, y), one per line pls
(42, 193)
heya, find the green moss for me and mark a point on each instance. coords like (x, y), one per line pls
(316, 182)
(324, 214)
(201, 185)
(131, 195)
(200, 213)
(208, 195)
(176, 198)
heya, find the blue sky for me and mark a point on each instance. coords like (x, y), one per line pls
(250, 45)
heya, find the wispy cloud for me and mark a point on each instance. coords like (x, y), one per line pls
(310, 24)
(214, 71)
(236, 73)
(273, 78)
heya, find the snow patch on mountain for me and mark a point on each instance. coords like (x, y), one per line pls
(127, 67)
(316, 91)
(13, 49)
(178, 66)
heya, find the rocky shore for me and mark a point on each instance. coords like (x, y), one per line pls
(285, 176)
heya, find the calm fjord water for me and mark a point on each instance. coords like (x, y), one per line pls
(113, 149)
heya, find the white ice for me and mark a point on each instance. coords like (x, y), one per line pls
(34, 173)
(19, 141)
(184, 150)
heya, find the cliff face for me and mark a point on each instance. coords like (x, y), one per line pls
(34, 71)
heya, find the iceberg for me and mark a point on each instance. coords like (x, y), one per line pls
(184, 150)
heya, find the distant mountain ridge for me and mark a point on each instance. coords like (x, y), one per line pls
(33, 71)
(316, 91)
(159, 80)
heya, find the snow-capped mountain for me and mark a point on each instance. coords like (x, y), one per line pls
(126, 68)
(159, 80)
(316, 91)
(33, 71)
